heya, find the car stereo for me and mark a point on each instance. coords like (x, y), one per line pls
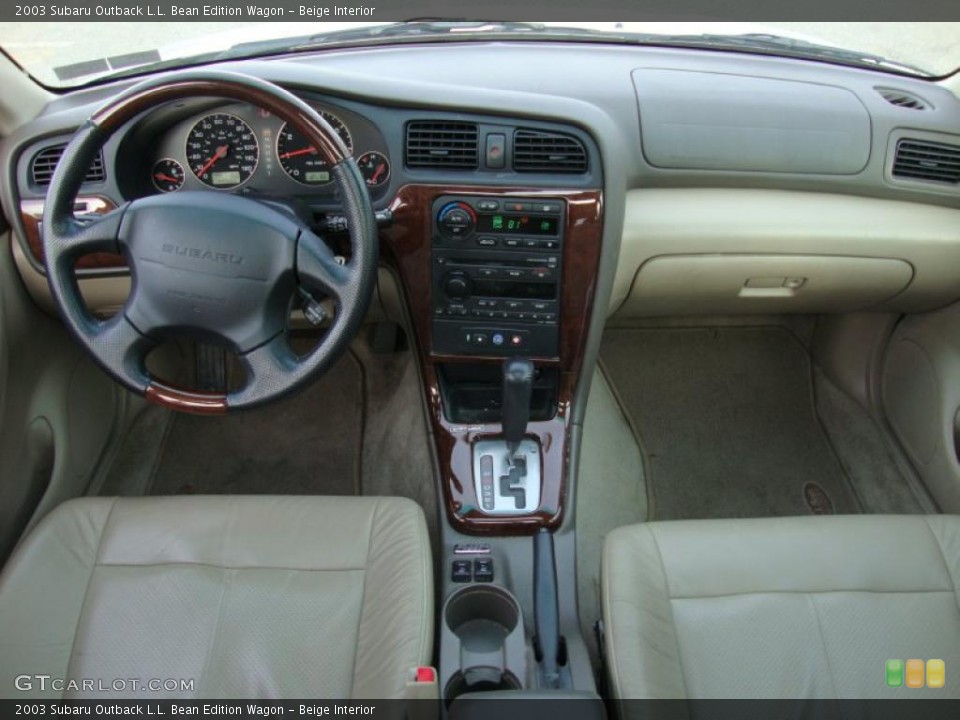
(495, 281)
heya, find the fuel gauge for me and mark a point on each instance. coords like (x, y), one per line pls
(375, 168)
(167, 175)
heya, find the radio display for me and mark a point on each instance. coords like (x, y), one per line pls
(517, 224)
(520, 290)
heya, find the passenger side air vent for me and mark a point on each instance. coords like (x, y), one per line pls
(923, 160)
(442, 144)
(535, 151)
(45, 162)
(903, 99)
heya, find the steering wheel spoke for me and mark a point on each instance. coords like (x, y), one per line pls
(76, 237)
(318, 269)
(267, 366)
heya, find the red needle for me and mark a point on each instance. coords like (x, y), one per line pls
(295, 153)
(380, 168)
(167, 178)
(221, 151)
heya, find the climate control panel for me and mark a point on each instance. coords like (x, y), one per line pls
(496, 276)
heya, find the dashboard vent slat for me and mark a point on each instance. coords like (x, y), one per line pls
(903, 99)
(443, 144)
(536, 151)
(45, 163)
(924, 160)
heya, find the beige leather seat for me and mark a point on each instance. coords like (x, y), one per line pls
(306, 597)
(781, 608)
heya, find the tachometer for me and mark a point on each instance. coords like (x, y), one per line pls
(300, 160)
(222, 151)
(167, 175)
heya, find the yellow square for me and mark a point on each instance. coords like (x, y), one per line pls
(914, 674)
(936, 673)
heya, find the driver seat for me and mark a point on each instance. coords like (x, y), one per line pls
(307, 597)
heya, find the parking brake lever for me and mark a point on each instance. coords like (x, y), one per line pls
(517, 390)
(546, 609)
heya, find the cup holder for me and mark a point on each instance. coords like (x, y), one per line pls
(482, 647)
(482, 618)
(458, 685)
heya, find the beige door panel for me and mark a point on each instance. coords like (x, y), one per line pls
(921, 396)
(57, 410)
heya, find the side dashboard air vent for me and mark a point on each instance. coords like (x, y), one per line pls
(924, 160)
(903, 99)
(442, 144)
(45, 162)
(535, 151)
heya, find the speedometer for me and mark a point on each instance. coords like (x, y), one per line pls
(222, 151)
(300, 160)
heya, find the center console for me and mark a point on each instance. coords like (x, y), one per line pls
(499, 283)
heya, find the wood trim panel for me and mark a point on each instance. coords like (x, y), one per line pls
(188, 401)
(31, 213)
(407, 247)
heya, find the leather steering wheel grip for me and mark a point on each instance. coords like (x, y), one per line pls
(280, 255)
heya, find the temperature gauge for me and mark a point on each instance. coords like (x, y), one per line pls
(167, 175)
(375, 168)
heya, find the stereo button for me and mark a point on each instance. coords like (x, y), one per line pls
(549, 244)
(488, 205)
(511, 243)
(488, 242)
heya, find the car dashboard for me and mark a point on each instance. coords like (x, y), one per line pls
(528, 194)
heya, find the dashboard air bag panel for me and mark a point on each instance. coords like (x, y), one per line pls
(760, 284)
(715, 121)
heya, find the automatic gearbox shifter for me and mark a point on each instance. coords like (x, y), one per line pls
(517, 390)
(506, 470)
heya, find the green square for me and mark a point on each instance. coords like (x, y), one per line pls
(894, 673)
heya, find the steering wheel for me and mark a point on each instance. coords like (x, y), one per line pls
(210, 265)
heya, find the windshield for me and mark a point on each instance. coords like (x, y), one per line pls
(62, 55)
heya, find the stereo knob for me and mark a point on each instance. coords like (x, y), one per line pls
(456, 220)
(457, 286)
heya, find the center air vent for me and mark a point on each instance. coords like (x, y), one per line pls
(442, 144)
(923, 160)
(535, 151)
(903, 99)
(45, 162)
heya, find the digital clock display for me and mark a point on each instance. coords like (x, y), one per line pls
(227, 177)
(517, 224)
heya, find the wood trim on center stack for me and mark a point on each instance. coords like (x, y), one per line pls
(407, 247)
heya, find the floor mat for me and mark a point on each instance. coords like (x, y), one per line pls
(316, 453)
(727, 421)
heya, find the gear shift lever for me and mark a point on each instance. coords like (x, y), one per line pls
(517, 389)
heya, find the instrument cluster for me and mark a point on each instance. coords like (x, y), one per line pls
(240, 147)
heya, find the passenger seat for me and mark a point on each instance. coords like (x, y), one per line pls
(805, 607)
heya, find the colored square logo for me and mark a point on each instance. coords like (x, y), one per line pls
(894, 673)
(914, 677)
(936, 673)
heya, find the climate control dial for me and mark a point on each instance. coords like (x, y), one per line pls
(457, 285)
(456, 220)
